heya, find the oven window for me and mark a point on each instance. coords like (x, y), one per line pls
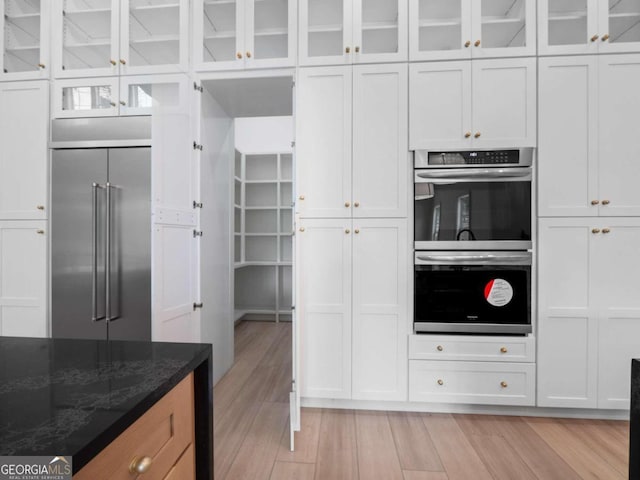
(473, 211)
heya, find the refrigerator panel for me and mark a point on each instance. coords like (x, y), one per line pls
(77, 235)
(130, 272)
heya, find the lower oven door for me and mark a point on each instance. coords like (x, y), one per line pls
(472, 292)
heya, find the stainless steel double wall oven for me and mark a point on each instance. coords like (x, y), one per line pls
(472, 241)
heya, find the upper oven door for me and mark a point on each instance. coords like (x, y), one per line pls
(472, 208)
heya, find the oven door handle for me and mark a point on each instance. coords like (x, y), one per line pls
(472, 174)
(485, 259)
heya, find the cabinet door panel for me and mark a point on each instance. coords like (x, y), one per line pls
(440, 105)
(380, 322)
(270, 33)
(566, 27)
(380, 159)
(503, 29)
(567, 331)
(504, 103)
(23, 150)
(567, 136)
(380, 30)
(618, 144)
(323, 137)
(325, 321)
(23, 279)
(326, 32)
(218, 34)
(618, 26)
(89, 97)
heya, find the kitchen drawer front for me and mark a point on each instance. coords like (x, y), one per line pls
(475, 349)
(489, 383)
(162, 433)
(185, 469)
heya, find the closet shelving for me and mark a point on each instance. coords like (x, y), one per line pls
(263, 219)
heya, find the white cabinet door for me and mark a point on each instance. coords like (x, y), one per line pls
(379, 31)
(619, 149)
(380, 158)
(323, 139)
(218, 34)
(380, 301)
(568, 324)
(326, 32)
(440, 105)
(24, 128)
(568, 136)
(617, 284)
(618, 26)
(270, 33)
(23, 279)
(568, 27)
(140, 94)
(325, 323)
(86, 97)
(504, 103)
(24, 39)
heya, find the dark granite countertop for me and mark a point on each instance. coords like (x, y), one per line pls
(73, 397)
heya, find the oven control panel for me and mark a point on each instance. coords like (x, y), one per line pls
(498, 158)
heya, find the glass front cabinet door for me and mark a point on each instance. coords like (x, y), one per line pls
(24, 43)
(359, 31)
(239, 34)
(111, 37)
(459, 29)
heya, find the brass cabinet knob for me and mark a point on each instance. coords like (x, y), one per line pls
(503, 350)
(347, 204)
(113, 62)
(123, 103)
(504, 384)
(123, 61)
(40, 232)
(239, 55)
(248, 54)
(113, 104)
(40, 207)
(140, 465)
(301, 197)
(356, 231)
(357, 49)
(440, 382)
(595, 230)
(356, 204)
(477, 135)
(347, 231)
(439, 348)
(41, 65)
(347, 50)
(477, 43)
(606, 202)
(467, 134)
(605, 37)
(302, 229)
(595, 37)
(606, 230)
(467, 44)
(595, 202)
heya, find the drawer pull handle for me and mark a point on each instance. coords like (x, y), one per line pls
(140, 465)
(440, 382)
(439, 347)
(40, 207)
(504, 384)
(503, 350)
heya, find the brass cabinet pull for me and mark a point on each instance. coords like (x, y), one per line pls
(347, 231)
(605, 37)
(347, 204)
(606, 230)
(113, 62)
(440, 382)
(439, 348)
(40, 232)
(467, 44)
(123, 103)
(301, 197)
(595, 202)
(595, 230)
(467, 134)
(503, 350)
(347, 50)
(606, 202)
(40, 207)
(248, 54)
(595, 37)
(357, 49)
(356, 231)
(302, 229)
(504, 384)
(41, 65)
(356, 204)
(477, 135)
(140, 465)
(123, 61)
(477, 43)
(239, 55)
(113, 104)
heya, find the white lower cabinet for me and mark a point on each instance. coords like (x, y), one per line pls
(472, 348)
(352, 302)
(589, 311)
(23, 278)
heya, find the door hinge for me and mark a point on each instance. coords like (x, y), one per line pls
(293, 144)
(197, 87)
(293, 83)
(197, 305)
(197, 233)
(196, 204)
(197, 146)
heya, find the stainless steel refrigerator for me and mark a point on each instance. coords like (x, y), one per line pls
(101, 228)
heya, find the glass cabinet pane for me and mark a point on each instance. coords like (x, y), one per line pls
(624, 21)
(567, 22)
(219, 30)
(81, 98)
(154, 32)
(86, 35)
(503, 23)
(271, 29)
(440, 25)
(379, 26)
(325, 29)
(143, 95)
(21, 35)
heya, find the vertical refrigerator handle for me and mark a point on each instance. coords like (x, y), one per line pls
(94, 254)
(107, 269)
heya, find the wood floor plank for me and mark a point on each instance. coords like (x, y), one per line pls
(306, 441)
(415, 447)
(377, 454)
(585, 461)
(459, 458)
(337, 449)
(293, 471)
(416, 475)
(257, 455)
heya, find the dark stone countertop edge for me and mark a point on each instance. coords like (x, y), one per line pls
(101, 441)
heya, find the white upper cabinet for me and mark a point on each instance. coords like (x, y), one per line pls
(238, 34)
(24, 39)
(457, 29)
(478, 104)
(111, 37)
(358, 31)
(588, 26)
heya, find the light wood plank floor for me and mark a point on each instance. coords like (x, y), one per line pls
(251, 433)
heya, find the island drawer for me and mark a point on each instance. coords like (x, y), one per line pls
(472, 348)
(163, 433)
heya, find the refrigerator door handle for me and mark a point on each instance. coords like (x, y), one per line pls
(107, 268)
(94, 254)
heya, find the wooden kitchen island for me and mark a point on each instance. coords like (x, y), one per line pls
(109, 405)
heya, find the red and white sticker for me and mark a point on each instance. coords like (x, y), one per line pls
(498, 292)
